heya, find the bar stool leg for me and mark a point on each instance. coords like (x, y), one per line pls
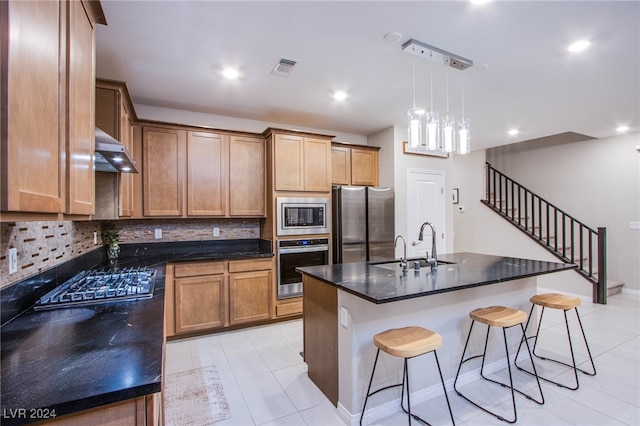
(510, 385)
(444, 389)
(573, 360)
(366, 398)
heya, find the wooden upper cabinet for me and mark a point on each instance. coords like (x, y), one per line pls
(364, 167)
(81, 124)
(163, 163)
(47, 110)
(317, 165)
(33, 169)
(356, 165)
(247, 176)
(115, 115)
(289, 163)
(207, 174)
(340, 165)
(126, 205)
(302, 163)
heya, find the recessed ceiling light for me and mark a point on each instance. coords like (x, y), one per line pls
(579, 46)
(340, 95)
(513, 132)
(230, 73)
(622, 129)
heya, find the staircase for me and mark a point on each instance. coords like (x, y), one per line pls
(554, 229)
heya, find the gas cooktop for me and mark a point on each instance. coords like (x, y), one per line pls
(96, 286)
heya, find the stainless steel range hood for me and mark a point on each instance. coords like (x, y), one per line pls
(112, 156)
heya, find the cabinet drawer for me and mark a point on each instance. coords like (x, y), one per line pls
(250, 265)
(198, 268)
(289, 309)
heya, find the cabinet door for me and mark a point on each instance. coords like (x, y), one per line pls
(364, 167)
(162, 171)
(126, 179)
(81, 125)
(317, 165)
(199, 303)
(32, 167)
(288, 163)
(207, 175)
(249, 295)
(340, 166)
(247, 176)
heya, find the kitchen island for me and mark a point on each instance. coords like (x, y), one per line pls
(346, 304)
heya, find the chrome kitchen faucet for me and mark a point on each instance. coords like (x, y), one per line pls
(433, 260)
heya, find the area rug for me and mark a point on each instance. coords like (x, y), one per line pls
(194, 398)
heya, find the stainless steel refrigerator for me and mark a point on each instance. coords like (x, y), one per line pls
(362, 224)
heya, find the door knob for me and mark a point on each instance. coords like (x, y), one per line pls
(414, 243)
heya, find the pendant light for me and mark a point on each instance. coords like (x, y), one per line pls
(432, 121)
(449, 133)
(464, 135)
(429, 133)
(416, 117)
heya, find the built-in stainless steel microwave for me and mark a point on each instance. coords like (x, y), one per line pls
(302, 216)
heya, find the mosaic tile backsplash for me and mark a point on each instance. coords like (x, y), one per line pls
(43, 245)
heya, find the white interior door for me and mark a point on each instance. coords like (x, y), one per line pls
(425, 203)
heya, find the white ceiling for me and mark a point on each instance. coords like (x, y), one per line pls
(171, 54)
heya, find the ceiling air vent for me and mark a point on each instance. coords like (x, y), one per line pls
(284, 68)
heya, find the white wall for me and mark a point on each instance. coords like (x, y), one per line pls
(598, 181)
(190, 118)
(393, 172)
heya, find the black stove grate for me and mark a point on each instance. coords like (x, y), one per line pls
(90, 287)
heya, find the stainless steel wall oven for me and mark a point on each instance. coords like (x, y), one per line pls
(296, 253)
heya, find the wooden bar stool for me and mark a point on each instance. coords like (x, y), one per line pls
(407, 342)
(566, 303)
(503, 317)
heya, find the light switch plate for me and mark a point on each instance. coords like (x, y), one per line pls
(95, 238)
(158, 233)
(634, 225)
(13, 260)
(344, 317)
(216, 231)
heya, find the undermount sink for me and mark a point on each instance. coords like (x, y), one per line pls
(395, 264)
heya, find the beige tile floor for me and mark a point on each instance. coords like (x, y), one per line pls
(265, 381)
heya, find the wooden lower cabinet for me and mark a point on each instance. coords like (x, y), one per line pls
(210, 295)
(249, 296)
(289, 308)
(199, 303)
(250, 284)
(142, 411)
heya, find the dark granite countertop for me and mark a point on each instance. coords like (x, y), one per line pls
(72, 359)
(383, 283)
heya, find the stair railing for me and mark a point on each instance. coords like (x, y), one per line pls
(560, 233)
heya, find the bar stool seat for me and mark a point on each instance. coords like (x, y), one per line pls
(406, 342)
(565, 303)
(498, 316)
(502, 317)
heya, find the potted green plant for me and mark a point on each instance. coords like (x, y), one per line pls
(110, 238)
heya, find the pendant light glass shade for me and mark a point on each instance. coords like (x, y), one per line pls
(416, 117)
(464, 137)
(433, 130)
(449, 133)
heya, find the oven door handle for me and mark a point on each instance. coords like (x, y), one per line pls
(302, 249)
